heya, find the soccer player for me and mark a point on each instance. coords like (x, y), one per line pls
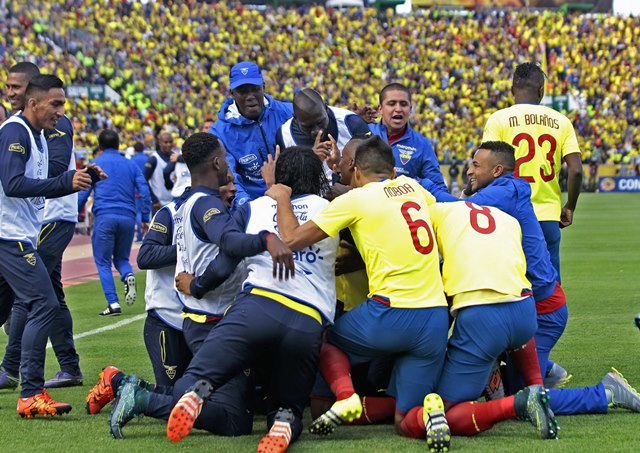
(154, 167)
(492, 183)
(59, 221)
(24, 186)
(493, 311)
(170, 352)
(247, 125)
(114, 208)
(316, 125)
(543, 139)
(140, 159)
(406, 312)
(413, 152)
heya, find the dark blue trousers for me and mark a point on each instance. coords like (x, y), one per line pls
(22, 268)
(257, 327)
(54, 239)
(167, 350)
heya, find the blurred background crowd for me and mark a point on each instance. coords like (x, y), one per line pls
(169, 61)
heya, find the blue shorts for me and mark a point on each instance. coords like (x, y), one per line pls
(418, 336)
(480, 334)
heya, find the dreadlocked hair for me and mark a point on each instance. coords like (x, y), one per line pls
(299, 168)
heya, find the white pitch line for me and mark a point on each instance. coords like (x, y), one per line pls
(116, 325)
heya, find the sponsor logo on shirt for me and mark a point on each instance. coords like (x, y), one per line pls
(160, 228)
(17, 148)
(55, 134)
(210, 213)
(248, 159)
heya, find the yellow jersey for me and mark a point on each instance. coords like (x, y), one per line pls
(542, 138)
(482, 252)
(390, 224)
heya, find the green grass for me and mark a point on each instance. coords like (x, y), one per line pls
(601, 276)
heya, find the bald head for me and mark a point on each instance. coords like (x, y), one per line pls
(310, 112)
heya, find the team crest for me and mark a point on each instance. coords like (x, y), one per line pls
(171, 371)
(405, 156)
(247, 372)
(31, 258)
(244, 71)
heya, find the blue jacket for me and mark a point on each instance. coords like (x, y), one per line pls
(414, 155)
(116, 194)
(247, 143)
(513, 196)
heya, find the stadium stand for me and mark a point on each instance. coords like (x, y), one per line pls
(170, 61)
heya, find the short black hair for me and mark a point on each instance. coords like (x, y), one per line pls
(25, 67)
(42, 83)
(301, 169)
(528, 77)
(138, 147)
(199, 147)
(503, 152)
(395, 86)
(374, 156)
(108, 139)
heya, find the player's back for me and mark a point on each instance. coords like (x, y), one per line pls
(541, 137)
(392, 230)
(482, 253)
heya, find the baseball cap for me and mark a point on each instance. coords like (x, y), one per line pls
(245, 73)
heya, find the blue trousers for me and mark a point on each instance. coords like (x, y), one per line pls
(167, 350)
(551, 231)
(256, 327)
(416, 336)
(480, 334)
(54, 239)
(111, 240)
(23, 270)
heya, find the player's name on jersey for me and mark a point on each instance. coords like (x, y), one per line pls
(533, 119)
(398, 190)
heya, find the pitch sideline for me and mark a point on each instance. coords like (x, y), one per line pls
(114, 326)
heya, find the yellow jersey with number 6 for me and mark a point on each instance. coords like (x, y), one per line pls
(390, 224)
(542, 138)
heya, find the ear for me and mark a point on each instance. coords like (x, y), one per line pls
(541, 92)
(498, 171)
(393, 173)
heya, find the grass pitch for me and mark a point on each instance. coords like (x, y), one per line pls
(601, 276)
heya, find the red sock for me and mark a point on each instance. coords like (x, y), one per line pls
(335, 368)
(375, 409)
(471, 417)
(525, 358)
(413, 424)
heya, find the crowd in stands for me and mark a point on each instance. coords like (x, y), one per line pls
(170, 62)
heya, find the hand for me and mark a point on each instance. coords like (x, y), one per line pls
(279, 192)
(334, 156)
(282, 257)
(268, 170)
(81, 180)
(174, 157)
(99, 171)
(144, 227)
(566, 217)
(366, 112)
(348, 259)
(322, 149)
(183, 282)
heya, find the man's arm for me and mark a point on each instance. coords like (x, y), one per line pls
(157, 249)
(166, 174)
(149, 168)
(60, 145)
(241, 192)
(293, 234)
(430, 167)
(210, 217)
(15, 151)
(142, 189)
(574, 183)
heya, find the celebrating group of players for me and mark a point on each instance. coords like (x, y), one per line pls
(242, 290)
